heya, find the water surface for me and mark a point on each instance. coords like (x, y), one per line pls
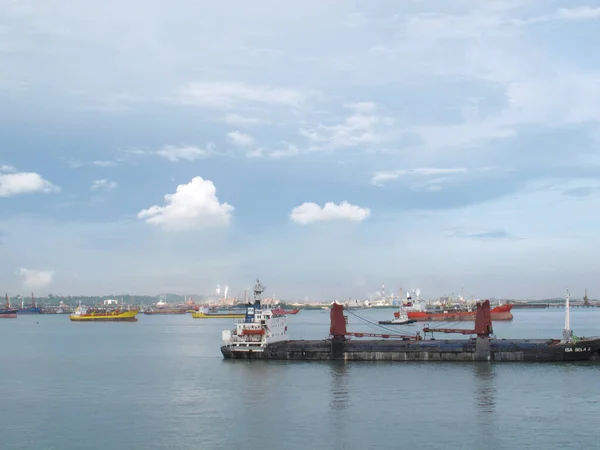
(161, 383)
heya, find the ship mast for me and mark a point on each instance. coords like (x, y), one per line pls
(567, 333)
(258, 290)
(7, 302)
(401, 305)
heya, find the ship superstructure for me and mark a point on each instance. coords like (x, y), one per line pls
(259, 328)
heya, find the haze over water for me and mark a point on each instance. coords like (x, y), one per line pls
(162, 383)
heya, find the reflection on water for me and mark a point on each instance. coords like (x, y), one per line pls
(485, 383)
(339, 385)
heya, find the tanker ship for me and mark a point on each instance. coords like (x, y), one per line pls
(96, 315)
(501, 312)
(262, 334)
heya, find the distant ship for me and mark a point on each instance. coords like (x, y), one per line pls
(204, 314)
(33, 309)
(400, 316)
(159, 311)
(501, 312)
(162, 307)
(281, 311)
(7, 312)
(93, 315)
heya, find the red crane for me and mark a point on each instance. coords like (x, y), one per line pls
(338, 330)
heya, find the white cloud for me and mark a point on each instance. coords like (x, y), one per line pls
(311, 212)
(256, 153)
(193, 205)
(104, 185)
(5, 168)
(35, 279)
(241, 121)
(76, 164)
(187, 152)
(104, 163)
(229, 94)
(24, 183)
(383, 176)
(240, 139)
(579, 13)
(362, 127)
(362, 107)
(286, 151)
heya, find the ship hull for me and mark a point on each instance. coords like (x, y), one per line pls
(481, 349)
(282, 311)
(497, 313)
(199, 315)
(103, 319)
(396, 322)
(127, 316)
(35, 310)
(8, 313)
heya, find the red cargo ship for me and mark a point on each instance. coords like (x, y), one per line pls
(501, 312)
(281, 311)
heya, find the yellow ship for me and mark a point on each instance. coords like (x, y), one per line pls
(104, 316)
(203, 315)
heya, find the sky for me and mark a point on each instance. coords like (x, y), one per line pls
(326, 147)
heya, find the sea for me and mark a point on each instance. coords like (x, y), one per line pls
(162, 383)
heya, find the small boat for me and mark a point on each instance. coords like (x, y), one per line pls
(92, 315)
(400, 317)
(7, 312)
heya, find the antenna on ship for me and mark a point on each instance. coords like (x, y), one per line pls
(567, 333)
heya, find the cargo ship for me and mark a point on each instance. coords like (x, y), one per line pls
(263, 335)
(282, 311)
(162, 307)
(501, 312)
(158, 311)
(7, 312)
(33, 309)
(94, 315)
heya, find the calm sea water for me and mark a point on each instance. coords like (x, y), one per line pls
(161, 383)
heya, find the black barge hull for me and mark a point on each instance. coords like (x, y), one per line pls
(479, 349)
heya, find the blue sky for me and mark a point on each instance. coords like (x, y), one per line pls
(326, 147)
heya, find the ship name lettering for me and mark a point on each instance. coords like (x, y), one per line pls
(578, 349)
